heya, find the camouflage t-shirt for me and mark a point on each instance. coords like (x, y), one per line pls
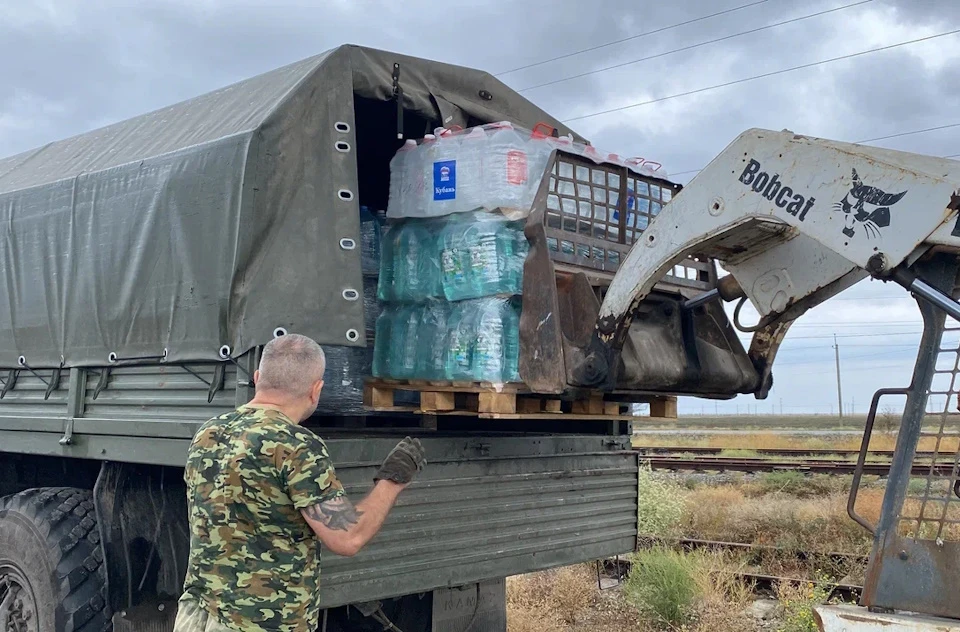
(254, 561)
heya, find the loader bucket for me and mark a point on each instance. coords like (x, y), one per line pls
(586, 217)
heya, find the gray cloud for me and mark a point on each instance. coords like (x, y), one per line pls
(80, 67)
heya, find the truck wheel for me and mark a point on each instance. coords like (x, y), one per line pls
(51, 565)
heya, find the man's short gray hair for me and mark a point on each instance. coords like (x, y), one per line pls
(291, 364)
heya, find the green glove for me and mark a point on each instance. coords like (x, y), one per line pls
(403, 462)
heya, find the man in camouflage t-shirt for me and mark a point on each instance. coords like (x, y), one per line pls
(261, 490)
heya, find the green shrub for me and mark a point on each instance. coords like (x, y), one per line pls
(786, 481)
(662, 585)
(798, 603)
(660, 505)
(799, 484)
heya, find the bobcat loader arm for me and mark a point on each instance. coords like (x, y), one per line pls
(794, 220)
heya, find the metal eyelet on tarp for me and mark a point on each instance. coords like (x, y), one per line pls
(353, 335)
(345, 194)
(350, 294)
(279, 331)
(348, 243)
(342, 127)
(225, 352)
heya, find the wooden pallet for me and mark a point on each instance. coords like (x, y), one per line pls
(490, 401)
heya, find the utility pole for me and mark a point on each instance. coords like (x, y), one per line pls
(836, 350)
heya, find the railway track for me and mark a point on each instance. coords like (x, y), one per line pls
(792, 452)
(618, 568)
(811, 466)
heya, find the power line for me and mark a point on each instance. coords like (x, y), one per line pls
(919, 131)
(846, 323)
(872, 298)
(903, 355)
(761, 76)
(633, 37)
(692, 46)
(820, 337)
(869, 140)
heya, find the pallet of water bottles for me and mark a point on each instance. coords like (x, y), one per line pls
(487, 401)
(450, 282)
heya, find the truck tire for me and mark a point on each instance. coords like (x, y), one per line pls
(52, 577)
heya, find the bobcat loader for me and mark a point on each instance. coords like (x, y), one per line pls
(796, 220)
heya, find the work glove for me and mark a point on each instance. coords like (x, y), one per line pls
(403, 462)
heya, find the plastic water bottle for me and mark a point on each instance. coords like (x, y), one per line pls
(402, 360)
(470, 257)
(454, 259)
(433, 341)
(386, 283)
(443, 173)
(369, 241)
(521, 249)
(511, 341)
(505, 169)
(415, 264)
(487, 361)
(381, 343)
(470, 174)
(512, 248)
(484, 277)
(428, 261)
(460, 341)
(403, 180)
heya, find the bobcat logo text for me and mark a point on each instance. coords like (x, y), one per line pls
(772, 188)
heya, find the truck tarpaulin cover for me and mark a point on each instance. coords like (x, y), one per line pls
(214, 221)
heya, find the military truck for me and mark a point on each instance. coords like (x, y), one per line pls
(146, 263)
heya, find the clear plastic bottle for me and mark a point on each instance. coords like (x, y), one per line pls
(381, 342)
(433, 341)
(511, 341)
(402, 361)
(386, 283)
(487, 362)
(484, 277)
(415, 268)
(471, 258)
(511, 252)
(505, 167)
(403, 179)
(454, 258)
(470, 171)
(460, 342)
(444, 175)
(369, 241)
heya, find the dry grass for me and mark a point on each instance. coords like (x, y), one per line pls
(725, 599)
(566, 600)
(777, 519)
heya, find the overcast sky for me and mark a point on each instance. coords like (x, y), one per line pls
(72, 66)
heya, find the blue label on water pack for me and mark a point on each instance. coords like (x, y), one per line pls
(445, 180)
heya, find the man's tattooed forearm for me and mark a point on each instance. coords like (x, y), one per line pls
(338, 514)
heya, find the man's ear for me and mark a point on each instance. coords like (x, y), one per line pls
(315, 391)
(256, 377)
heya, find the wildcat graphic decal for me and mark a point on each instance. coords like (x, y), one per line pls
(867, 206)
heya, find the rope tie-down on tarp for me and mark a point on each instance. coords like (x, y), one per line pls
(52, 383)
